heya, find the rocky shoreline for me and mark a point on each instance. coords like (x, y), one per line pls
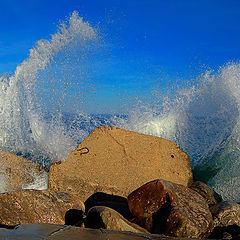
(116, 184)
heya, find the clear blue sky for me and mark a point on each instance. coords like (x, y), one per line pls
(153, 40)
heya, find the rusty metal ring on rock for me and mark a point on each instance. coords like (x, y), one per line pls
(83, 150)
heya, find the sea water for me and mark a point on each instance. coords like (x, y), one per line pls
(203, 119)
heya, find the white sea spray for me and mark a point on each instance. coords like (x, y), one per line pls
(203, 119)
(37, 88)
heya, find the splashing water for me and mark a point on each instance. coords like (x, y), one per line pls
(39, 87)
(203, 120)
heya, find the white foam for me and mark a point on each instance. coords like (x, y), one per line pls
(40, 182)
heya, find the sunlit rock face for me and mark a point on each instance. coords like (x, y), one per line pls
(117, 161)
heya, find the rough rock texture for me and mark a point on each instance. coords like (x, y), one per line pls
(225, 214)
(107, 218)
(226, 221)
(172, 209)
(61, 232)
(17, 172)
(206, 192)
(33, 206)
(117, 161)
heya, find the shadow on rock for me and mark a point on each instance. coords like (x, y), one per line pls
(74, 217)
(115, 202)
(230, 232)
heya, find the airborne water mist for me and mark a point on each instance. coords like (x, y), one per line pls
(40, 87)
(203, 120)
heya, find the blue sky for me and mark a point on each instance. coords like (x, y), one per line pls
(153, 42)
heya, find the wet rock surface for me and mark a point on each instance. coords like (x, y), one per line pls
(172, 209)
(17, 172)
(63, 232)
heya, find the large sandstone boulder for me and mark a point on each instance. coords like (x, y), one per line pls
(33, 206)
(117, 161)
(17, 173)
(164, 207)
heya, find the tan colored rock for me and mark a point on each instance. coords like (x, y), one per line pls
(107, 218)
(17, 172)
(117, 161)
(34, 206)
(172, 209)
